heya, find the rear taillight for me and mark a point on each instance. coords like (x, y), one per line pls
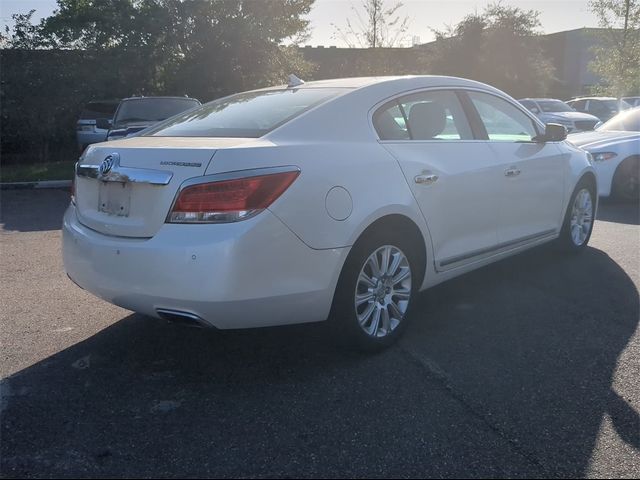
(229, 200)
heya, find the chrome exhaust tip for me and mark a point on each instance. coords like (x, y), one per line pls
(181, 318)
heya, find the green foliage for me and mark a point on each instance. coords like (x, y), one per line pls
(617, 56)
(99, 49)
(381, 26)
(499, 46)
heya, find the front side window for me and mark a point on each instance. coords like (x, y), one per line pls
(435, 115)
(503, 121)
(250, 115)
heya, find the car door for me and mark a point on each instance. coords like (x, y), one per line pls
(531, 172)
(453, 177)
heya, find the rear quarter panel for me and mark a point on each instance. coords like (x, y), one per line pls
(368, 173)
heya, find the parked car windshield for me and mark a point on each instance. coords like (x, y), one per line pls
(151, 109)
(251, 114)
(94, 110)
(548, 106)
(626, 121)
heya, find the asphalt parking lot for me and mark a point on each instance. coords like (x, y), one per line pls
(527, 368)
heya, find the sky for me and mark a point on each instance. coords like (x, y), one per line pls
(555, 15)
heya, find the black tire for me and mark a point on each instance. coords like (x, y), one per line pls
(344, 312)
(565, 241)
(626, 180)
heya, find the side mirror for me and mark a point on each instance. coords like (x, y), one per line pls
(103, 123)
(554, 132)
(535, 110)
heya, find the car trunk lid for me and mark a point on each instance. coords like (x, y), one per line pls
(126, 188)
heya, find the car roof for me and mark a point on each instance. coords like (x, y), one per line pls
(592, 98)
(407, 82)
(152, 96)
(542, 99)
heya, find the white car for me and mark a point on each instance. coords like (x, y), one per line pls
(332, 199)
(551, 110)
(615, 147)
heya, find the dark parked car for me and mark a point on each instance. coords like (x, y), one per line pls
(87, 132)
(137, 113)
(604, 108)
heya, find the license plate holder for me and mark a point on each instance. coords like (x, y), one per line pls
(114, 198)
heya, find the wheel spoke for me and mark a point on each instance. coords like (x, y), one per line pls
(375, 265)
(364, 297)
(405, 272)
(364, 316)
(368, 281)
(373, 329)
(403, 293)
(384, 266)
(395, 311)
(386, 321)
(397, 258)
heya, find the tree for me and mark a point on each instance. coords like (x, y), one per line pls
(104, 49)
(617, 56)
(206, 48)
(381, 26)
(499, 46)
(24, 34)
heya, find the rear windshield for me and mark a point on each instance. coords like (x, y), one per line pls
(94, 110)
(152, 109)
(251, 114)
(627, 121)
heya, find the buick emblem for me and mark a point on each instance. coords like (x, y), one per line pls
(108, 163)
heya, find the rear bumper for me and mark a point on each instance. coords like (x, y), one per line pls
(247, 274)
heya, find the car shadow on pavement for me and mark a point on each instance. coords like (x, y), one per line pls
(504, 372)
(532, 344)
(610, 210)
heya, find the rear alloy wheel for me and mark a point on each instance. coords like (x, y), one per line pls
(578, 223)
(375, 291)
(383, 291)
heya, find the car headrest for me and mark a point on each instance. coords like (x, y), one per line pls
(388, 128)
(427, 119)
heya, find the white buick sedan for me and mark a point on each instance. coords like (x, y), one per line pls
(333, 199)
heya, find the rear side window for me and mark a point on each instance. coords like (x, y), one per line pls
(251, 114)
(503, 121)
(435, 115)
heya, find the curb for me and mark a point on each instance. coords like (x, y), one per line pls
(30, 185)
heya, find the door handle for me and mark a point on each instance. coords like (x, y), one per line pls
(512, 172)
(425, 179)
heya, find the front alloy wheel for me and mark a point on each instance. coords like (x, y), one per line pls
(383, 291)
(581, 217)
